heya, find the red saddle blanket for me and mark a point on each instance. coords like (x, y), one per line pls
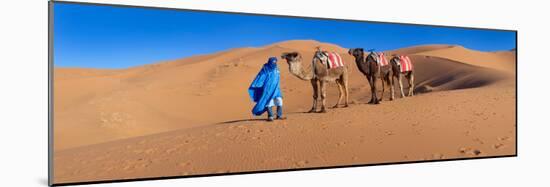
(334, 60)
(382, 59)
(406, 64)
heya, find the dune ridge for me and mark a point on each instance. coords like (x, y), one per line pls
(419, 49)
(503, 61)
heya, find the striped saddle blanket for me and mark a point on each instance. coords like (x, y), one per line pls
(382, 60)
(406, 64)
(334, 60)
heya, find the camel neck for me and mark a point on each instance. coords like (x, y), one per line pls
(298, 70)
(360, 59)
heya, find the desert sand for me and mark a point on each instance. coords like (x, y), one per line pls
(192, 116)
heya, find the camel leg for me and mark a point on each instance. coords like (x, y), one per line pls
(340, 92)
(411, 83)
(392, 89)
(315, 95)
(376, 100)
(323, 85)
(373, 90)
(371, 86)
(346, 90)
(401, 85)
(383, 88)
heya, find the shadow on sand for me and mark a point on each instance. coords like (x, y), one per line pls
(265, 120)
(241, 120)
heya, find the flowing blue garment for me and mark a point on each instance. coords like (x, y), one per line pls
(265, 87)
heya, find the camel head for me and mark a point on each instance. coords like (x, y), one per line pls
(294, 61)
(358, 53)
(292, 58)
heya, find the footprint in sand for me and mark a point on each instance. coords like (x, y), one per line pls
(137, 164)
(171, 150)
(479, 141)
(339, 144)
(476, 152)
(470, 151)
(184, 164)
(498, 146)
(149, 151)
(438, 156)
(302, 163)
(146, 151)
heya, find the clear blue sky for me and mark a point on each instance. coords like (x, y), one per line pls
(119, 37)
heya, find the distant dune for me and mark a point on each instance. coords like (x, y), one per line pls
(192, 116)
(504, 61)
(420, 48)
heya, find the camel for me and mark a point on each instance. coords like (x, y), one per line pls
(396, 67)
(372, 70)
(319, 75)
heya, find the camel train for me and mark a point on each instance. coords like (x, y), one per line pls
(329, 67)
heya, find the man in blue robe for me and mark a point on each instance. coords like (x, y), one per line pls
(265, 91)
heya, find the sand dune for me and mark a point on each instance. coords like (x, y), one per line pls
(192, 116)
(419, 49)
(438, 74)
(503, 61)
(123, 103)
(309, 45)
